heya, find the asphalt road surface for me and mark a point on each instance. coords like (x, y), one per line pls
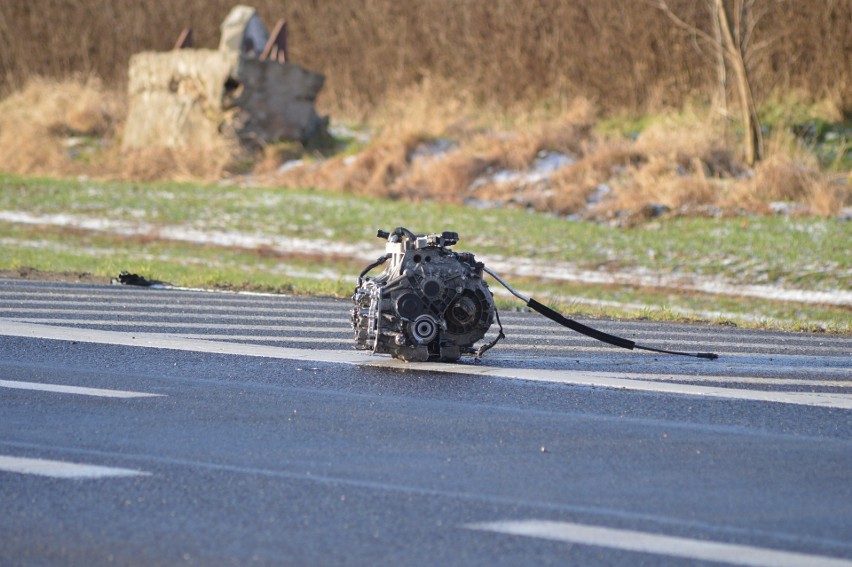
(167, 427)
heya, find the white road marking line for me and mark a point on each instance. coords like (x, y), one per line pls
(178, 325)
(343, 326)
(270, 338)
(61, 469)
(843, 372)
(716, 346)
(627, 381)
(643, 542)
(130, 308)
(59, 388)
(120, 293)
(622, 381)
(572, 343)
(130, 315)
(169, 311)
(758, 381)
(175, 342)
(285, 303)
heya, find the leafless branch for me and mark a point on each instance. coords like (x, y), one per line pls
(663, 6)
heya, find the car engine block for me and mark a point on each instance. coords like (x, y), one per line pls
(429, 302)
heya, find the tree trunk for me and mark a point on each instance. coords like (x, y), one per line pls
(721, 71)
(751, 122)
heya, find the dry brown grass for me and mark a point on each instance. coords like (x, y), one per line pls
(178, 164)
(72, 127)
(676, 163)
(622, 55)
(37, 123)
(501, 80)
(432, 146)
(791, 174)
(779, 178)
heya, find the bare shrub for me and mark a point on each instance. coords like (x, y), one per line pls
(179, 164)
(682, 137)
(372, 171)
(37, 122)
(603, 162)
(792, 174)
(657, 183)
(444, 178)
(679, 161)
(779, 178)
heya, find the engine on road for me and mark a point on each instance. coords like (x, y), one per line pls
(429, 302)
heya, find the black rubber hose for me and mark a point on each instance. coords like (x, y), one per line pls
(579, 327)
(606, 337)
(366, 270)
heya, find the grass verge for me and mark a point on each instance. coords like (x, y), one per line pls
(264, 239)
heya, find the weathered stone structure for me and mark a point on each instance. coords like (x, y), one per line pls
(202, 97)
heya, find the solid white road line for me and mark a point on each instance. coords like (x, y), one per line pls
(179, 325)
(643, 542)
(116, 313)
(59, 388)
(269, 338)
(345, 330)
(175, 342)
(61, 469)
(622, 381)
(49, 304)
(341, 327)
(136, 314)
(627, 381)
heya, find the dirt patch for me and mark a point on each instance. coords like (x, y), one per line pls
(27, 273)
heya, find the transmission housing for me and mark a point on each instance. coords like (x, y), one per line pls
(429, 302)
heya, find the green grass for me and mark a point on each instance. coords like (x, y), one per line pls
(798, 253)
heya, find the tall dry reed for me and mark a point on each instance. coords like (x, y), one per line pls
(620, 55)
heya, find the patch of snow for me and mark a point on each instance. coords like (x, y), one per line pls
(226, 238)
(600, 193)
(432, 149)
(290, 165)
(343, 131)
(545, 164)
(785, 208)
(564, 271)
(561, 271)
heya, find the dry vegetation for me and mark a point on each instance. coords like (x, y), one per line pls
(452, 91)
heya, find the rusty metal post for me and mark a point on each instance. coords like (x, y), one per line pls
(184, 41)
(276, 47)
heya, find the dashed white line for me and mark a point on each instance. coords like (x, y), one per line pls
(62, 389)
(62, 469)
(643, 542)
